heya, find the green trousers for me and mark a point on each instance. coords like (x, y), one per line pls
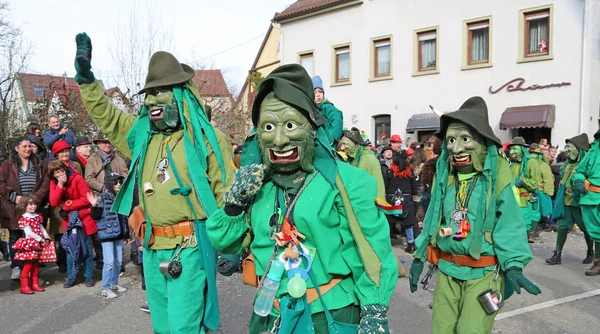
(176, 304)
(456, 308)
(591, 216)
(531, 214)
(349, 315)
(572, 217)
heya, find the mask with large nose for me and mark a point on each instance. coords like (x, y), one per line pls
(466, 148)
(163, 110)
(286, 137)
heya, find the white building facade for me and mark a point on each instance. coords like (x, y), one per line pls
(383, 62)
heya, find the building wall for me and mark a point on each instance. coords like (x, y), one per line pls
(406, 95)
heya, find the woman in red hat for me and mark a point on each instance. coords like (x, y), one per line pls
(62, 151)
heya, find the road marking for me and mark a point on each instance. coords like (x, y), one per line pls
(547, 304)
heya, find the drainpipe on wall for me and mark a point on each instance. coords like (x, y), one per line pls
(281, 40)
(583, 63)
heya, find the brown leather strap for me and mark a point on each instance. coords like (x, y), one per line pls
(524, 194)
(468, 261)
(183, 229)
(591, 187)
(312, 295)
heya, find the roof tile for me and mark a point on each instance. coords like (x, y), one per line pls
(211, 83)
(304, 6)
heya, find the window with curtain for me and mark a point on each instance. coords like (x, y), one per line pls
(306, 60)
(537, 28)
(479, 39)
(382, 57)
(342, 64)
(427, 51)
(382, 128)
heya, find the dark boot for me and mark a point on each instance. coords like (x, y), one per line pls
(555, 259)
(35, 277)
(594, 270)
(410, 248)
(4, 250)
(25, 288)
(589, 257)
(530, 237)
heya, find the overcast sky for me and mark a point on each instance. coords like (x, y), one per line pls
(201, 31)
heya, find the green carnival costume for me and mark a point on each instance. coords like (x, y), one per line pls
(472, 229)
(181, 162)
(567, 211)
(288, 170)
(334, 116)
(361, 156)
(526, 174)
(586, 182)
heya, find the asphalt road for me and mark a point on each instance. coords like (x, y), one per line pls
(82, 310)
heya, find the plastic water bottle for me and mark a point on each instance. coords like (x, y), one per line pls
(264, 302)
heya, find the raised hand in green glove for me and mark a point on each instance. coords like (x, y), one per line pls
(416, 269)
(246, 183)
(373, 319)
(516, 280)
(579, 187)
(83, 59)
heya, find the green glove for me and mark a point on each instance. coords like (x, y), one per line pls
(83, 59)
(514, 277)
(373, 319)
(579, 187)
(227, 264)
(416, 269)
(247, 182)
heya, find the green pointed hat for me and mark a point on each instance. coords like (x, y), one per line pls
(518, 141)
(474, 113)
(355, 135)
(165, 70)
(581, 142)
(292, 85)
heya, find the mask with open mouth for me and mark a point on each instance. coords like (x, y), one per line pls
(466, 148)
(347, 146)
(286, 137)
(163, 111)
(515, 153)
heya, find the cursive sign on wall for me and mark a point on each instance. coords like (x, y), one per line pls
(518, 84)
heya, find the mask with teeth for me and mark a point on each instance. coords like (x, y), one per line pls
(163, 110)
(347, 146)
(573, 151)
(286, 137)
(466, 148)
(516, 153)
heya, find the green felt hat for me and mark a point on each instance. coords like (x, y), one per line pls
(473, 113)
(535, 148)
(165, 70)
(518, 141)
(292, 85)
(581, 142)
(355, 135)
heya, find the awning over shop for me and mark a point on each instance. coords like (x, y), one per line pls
(420, 122)
(541, 116)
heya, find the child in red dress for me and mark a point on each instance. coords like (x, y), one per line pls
(30, 247)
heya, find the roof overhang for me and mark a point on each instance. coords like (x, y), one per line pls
(286, 18)
(423, 122)
(539, 116)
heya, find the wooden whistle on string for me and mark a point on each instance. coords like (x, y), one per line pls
(445, 232)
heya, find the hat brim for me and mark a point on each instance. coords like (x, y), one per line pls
(170, 80)
(463, 116)
(84, 143)
(101, 141)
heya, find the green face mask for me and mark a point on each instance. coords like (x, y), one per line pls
(516, 153)
(163, 110)
(573, 151)
(466, 148)
(347, 146)
(286, 137)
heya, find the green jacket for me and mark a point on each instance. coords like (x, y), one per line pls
(546, 182)
(365, 159)
(508, 241)
(335, 119)
(320, 216)
(589, 169)
(530, 178)
(567, 171)
(162, 207)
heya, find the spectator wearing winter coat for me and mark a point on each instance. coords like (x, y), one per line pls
(335, 118)
(83, 151)
(57, 132)
(37, 148)
(68, 191)
(21, 174)
(61, 151)
(103, 161)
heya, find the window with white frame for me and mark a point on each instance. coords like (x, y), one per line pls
(307, 61)
(427, 50)
(342, 64)
(478, 42)
(382, 57)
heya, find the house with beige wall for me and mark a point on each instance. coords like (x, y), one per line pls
(383, 62)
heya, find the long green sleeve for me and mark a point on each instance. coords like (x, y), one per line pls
(113, 122)
(533, 176)
(547, 179)
(225, 232)
(214, 170)
(335, 120)
(371, 164)
(509, 234)
(589, 169)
